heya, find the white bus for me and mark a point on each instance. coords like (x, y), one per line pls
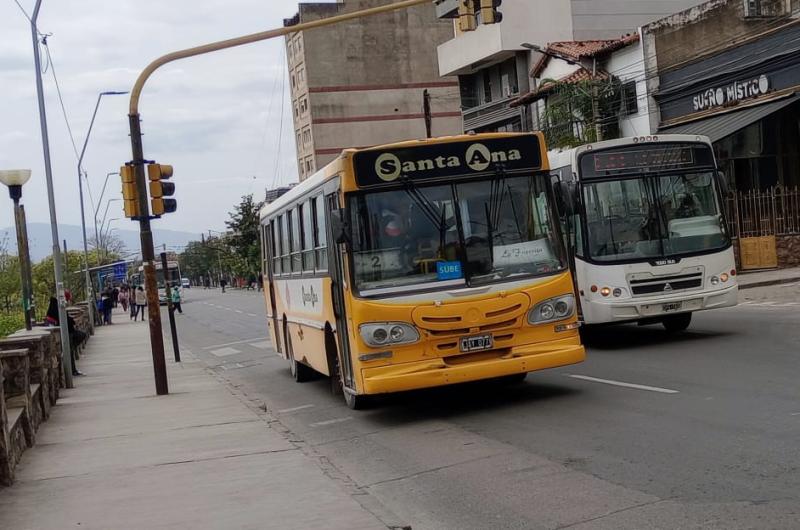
(173, 276)
(647, 232)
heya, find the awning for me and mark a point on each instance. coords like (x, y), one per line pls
(722, 125)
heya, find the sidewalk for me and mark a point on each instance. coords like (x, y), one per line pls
(748, 280)
(115, 456)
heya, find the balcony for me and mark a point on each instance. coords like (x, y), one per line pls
(489, 113)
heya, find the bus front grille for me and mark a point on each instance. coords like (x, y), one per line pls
(646, 284)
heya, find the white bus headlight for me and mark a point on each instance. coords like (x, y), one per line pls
(377, 334)
(552, 310)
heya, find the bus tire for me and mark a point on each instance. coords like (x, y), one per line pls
(300, 372)
(675, 323)
(356, 402)
(334, 369)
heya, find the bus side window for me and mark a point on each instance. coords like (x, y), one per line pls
(275, 245)
(283, 228)
(307, 229)
(320, 235)
(294, 217)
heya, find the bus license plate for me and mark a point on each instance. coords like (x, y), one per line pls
(477, 343)
(673, 306)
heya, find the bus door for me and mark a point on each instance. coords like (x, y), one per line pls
(336, 270)
(268, 246)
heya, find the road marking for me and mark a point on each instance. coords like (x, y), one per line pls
(626, 385)
(252, 315)
(239, 311)
(795, 414)
(330, 422)
(263, 345)
(245, 341)
(225, 352)
(295, 409)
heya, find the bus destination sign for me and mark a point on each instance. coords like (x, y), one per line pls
(447, 160)
(644, 159)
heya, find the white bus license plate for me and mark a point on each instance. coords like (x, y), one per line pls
(477, 343)
(672, 306)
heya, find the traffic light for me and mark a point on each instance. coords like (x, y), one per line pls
(159, 189)
(489, 12)
(466, 15)
(129, 195)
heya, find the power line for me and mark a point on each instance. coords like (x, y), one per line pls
(60, 98)
(280, 127)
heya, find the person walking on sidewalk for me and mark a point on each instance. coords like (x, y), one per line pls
(123, 298)
(141, 303)
(76, 336)
(222, 284)
(108, 305)
(175, 294)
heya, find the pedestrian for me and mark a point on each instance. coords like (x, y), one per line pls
(141, 303)
(260, 281)
(115, 296)
(123, 298)
(108, 305)
(76, 336)
(223, 283)
(175, 294)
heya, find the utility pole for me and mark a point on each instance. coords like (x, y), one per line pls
(170, 309)
(426, 109)
(598, 126)
(66, 350)
(138, 162)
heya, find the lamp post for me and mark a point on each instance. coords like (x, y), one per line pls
(100, 202)
(104, 233)
(80, 191)
(15, 179)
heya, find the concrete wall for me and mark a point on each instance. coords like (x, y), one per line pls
(364, 79)
(600, 19)
(710, 27)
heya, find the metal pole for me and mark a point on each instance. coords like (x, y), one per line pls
(426, 108)
(25, 256)
(62, 310)
(21, 246)
(87, 279)
(170, 310)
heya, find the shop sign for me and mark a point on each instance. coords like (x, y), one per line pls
(740, 90)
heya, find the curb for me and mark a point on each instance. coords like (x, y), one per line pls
(765, 283)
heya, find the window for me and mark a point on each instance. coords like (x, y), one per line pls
(303, 106)
(630, 103)
(301, 167)
(296, 110)
(294, 82)
(320, 237)
(298, 140)
(308, 236)
(294, 221)
(752, 8)
(487, 86)
(284, 240)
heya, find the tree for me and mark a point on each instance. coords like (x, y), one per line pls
(244, 225)
(108, 250)
(10, 280)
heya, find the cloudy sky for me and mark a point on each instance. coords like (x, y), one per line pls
(216, 118)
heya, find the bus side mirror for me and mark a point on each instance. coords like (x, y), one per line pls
(565, 197)
(723, 183)
(339, 227)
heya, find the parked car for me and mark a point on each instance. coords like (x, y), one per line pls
(185, 283)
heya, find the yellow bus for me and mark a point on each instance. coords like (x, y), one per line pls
(420, 264)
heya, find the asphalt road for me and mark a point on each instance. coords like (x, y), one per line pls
(695, 430)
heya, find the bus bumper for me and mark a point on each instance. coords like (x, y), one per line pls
(449, 371)
(632, 310)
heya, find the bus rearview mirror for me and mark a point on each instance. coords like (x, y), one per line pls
(723, 183)
(565, 197)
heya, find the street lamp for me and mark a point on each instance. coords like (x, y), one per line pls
(15, 179)
(104, 237)
(100, 202)
(80, 190)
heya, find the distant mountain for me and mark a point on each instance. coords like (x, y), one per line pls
(41, 243)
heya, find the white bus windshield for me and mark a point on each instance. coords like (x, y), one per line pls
(646, 217)
(453, 234)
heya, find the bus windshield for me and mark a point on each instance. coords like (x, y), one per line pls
(645, 217)
(448, 235)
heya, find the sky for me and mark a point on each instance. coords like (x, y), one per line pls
(215, 118)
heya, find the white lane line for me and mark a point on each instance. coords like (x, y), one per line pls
(330, 422)
(225, 352)
(620, 383)
(252, 315)
(295, 409)
(245, 341)
(263, 345)
(239, 311)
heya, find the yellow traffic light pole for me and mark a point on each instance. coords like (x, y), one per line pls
(138, 162)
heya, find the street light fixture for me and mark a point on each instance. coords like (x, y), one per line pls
(15, 179)
(80, 190)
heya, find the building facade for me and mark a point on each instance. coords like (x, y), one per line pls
(730, 70)
(494, 68)
(361, 83)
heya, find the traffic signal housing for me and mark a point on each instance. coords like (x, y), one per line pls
(159, 205)
(129, 194)
(466, 15)
(489, 12)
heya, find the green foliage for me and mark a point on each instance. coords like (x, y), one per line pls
(244, 239)
(568, 120)
(9, 323)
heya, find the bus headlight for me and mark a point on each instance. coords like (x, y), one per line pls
(378, 334)
(552, 310)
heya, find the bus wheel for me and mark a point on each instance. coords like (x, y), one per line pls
(356, 402)
(675, 323)
(300, 372)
